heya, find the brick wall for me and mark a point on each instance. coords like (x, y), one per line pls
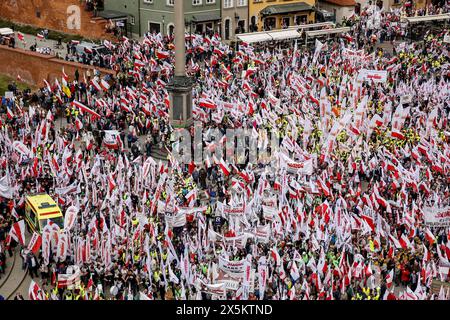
(34, 67)
(53, 16)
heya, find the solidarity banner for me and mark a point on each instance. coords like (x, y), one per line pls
(233, 268)
(176, 220)
(269, 212)
(298, 167)
(437, 217)
(262, 233)
(372, 75)
(65, 190)
(231, 210)
(70, 217)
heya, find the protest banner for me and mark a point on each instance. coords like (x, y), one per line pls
(437, 217)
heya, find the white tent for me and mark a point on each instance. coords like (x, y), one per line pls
(6, 31)
(282, 34)
(317, 33)
(435, 17)
(254, 37)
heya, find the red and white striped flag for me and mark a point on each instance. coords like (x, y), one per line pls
(35, 292)
(18, 232)
(35, 243)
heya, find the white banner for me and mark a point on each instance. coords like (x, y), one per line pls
(6, 191)
(269, 212)
(65, 190)
(438, 217)
(298, 167)
(372, 75)
(447, 38)
(235, 268)
(177, 220)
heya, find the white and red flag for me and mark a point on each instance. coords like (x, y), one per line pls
(35, 243)
(35, 292)
(18, 232)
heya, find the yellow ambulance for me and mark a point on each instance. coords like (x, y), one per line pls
(38, 209)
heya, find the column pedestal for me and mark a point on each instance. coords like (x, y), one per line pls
(180, 96)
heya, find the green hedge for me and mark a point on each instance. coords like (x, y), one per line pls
(52, 34)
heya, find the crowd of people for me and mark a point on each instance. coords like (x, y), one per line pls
(340, 211)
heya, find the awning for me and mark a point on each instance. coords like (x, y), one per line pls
(316, 33)
(286, 8)
(428, 18)
(282, 34)
(313, 25)
(206, 17)
(113, 15)
(254, 37)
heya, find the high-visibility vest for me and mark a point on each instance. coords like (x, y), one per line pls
(69, 296)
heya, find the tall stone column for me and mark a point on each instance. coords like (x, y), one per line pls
(180, 88)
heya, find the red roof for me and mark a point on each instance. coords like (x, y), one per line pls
(342, 3)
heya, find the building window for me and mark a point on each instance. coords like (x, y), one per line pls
(253, 26)
(210, 1)
(241, 26)
(132, 20)
(241, 3)
(196, 2)
(154, 27)
(300, 19)
(170, 29)
(170, 2)
(227, 4)
(227, 28)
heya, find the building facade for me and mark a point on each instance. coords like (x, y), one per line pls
(157, 15)
(340, 8)
(277, 14)
(234, 18)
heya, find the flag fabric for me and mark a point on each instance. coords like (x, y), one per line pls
(17, 232)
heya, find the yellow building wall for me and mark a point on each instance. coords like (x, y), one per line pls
(255, 7)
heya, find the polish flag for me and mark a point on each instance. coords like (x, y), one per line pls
(18, 232)
(96, 85)
(207, 103)
(430, 237)
(275, 255)
(40, 36)
(83, 108)
(35, 292)
(369, 221)
(218, 52)
(9, 113)
(404, 242)
(226, 170)
(397, 134)
(35, 243)
(78, 124)
(162, 54)
(88, 50)
(104, 84)
(111, 183)
(389, 278)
